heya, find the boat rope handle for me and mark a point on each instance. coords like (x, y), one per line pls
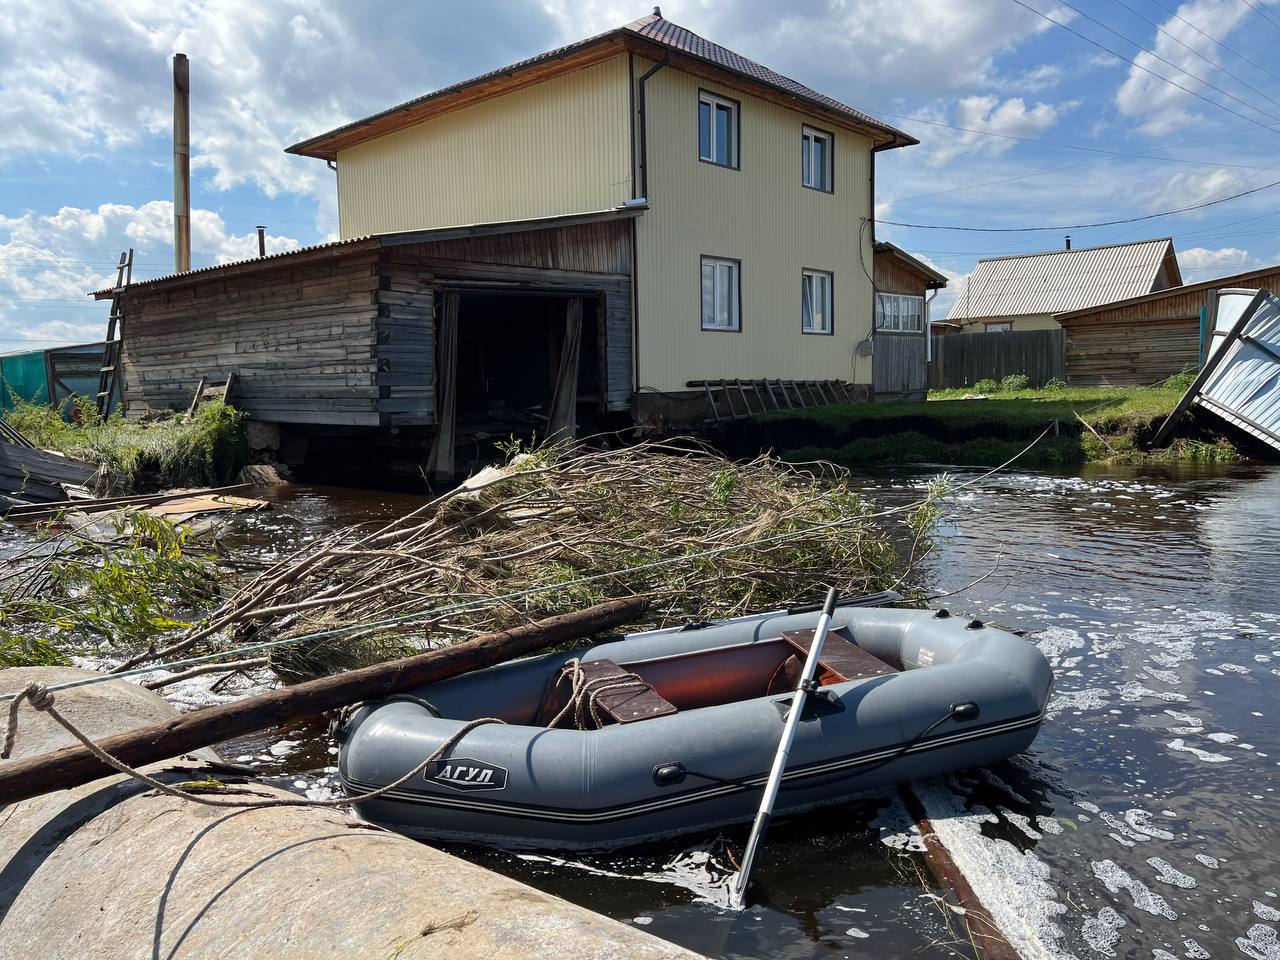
(435, 612)
(42, 699)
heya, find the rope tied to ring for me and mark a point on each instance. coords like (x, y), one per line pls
(41, 698)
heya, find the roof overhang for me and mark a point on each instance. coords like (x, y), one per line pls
(567, 59)
(934, 279)
(375, 242)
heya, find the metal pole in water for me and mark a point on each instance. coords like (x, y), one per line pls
(738, 891)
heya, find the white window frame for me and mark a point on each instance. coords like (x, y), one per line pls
(715, 102)
(809, 285)
(891, 317)
(726, 290)
(1001, 326)
(807, 166)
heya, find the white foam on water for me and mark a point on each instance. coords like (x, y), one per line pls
(1131, 691)
(1140, 820)
(1260, 943)
(1159, 954)
(1164, 676)
(1222, 737)
(1167, 873)
(1115, 880)
(1048, 824)
(1210, 862)
(1091, 698)
(1233, 668)
(1122, 830)
(1012, 885)
(1023, 823)
(1086, 805)
(1055, 641)
(1193, 950)
(1181, 746)
(857, 934)
(642, 921)
(897, 827)
(1265, 911)
(1102, 932)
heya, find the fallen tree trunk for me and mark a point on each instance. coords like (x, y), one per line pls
(73, 766)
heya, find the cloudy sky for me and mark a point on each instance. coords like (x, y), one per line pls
(1121, 109)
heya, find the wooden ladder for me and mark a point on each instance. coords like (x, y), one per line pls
(794, 393)
(111, 350)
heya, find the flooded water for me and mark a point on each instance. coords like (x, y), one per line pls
(1141, 824)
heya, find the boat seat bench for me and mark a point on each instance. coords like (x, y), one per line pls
(620, 706)
(841, 659)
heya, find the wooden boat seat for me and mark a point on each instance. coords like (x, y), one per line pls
(841, 660)
(620, 706)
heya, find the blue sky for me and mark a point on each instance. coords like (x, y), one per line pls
(1022, 122)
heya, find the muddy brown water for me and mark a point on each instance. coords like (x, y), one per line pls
(1142, 824)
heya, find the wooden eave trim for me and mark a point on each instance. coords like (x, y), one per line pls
(327, 145)
(933, 279)
(235, 270)
(880, 138)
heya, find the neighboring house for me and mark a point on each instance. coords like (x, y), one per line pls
(1145, 340)
(1025, 292)
(603, 223)
(900, 355)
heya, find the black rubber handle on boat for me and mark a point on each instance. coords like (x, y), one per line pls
(869, 600)
(833, 597)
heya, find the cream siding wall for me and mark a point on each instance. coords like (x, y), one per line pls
(762, 216)
(1025, 321)
(557, 147)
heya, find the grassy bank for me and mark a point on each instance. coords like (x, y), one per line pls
(156, 453)
(1087, 424)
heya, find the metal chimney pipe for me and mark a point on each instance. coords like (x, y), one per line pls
(262, 240)
(1068, 241)
(181, 163)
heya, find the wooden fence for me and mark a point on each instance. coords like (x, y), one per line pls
(962, 359)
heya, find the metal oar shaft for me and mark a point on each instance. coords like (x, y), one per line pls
(774, 782)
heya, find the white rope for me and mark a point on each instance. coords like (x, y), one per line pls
(38, 695)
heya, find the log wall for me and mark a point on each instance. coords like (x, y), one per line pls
(300, 339)
(1145, 341)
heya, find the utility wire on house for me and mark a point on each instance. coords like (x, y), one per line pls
(1130, 60)
(1081, 226)
(1194, 52)
(1235, 53)
(1156, 56)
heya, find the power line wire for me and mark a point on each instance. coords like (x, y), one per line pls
(1192, 50)
(1080, 226)
(1266, 15)
(1129, 60)
(1230, 50)
(1152, 53)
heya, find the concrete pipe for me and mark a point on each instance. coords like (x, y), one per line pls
(112, 870)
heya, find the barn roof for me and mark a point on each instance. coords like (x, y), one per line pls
(651, 36)
(1059, 280)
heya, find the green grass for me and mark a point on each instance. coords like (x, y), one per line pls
(948, 429)
(167, 451)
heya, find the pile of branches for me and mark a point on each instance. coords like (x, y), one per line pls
(519, 539)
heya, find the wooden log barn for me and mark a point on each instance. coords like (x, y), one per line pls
(492, 328)
(1142, 341)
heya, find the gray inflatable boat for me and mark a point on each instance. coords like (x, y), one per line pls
(673, 731)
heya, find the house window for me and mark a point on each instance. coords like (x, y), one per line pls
(815, 159)
(999, 328)
(721, 293)
(815, 301)
(717, 130)
(899, 313)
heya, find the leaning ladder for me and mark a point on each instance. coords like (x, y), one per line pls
(111, 350)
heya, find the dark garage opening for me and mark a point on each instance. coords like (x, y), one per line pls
(509, 350)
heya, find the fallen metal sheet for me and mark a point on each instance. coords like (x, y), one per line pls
(1240, 380)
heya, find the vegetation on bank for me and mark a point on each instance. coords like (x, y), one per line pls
(159, 452)
(990, 423)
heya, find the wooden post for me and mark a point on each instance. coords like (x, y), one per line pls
(181, 164)
(73, 766)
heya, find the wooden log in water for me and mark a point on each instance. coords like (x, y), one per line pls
(73, 766)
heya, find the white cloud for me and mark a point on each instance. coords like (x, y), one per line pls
(1203, 260)
(1160, 105)
(986, 115)
(49, 262)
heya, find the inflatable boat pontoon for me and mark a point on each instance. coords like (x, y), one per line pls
(674, 731)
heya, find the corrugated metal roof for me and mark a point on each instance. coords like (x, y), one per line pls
(1059, 280)
(653, 28)
(1242, 386)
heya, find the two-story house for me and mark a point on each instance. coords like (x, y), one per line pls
(604, 223)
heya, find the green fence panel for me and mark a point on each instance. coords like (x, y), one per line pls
(23, 375)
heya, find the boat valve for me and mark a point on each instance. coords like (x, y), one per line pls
(669, 774)
(942, 614)
(964, 710)
(974, 625)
